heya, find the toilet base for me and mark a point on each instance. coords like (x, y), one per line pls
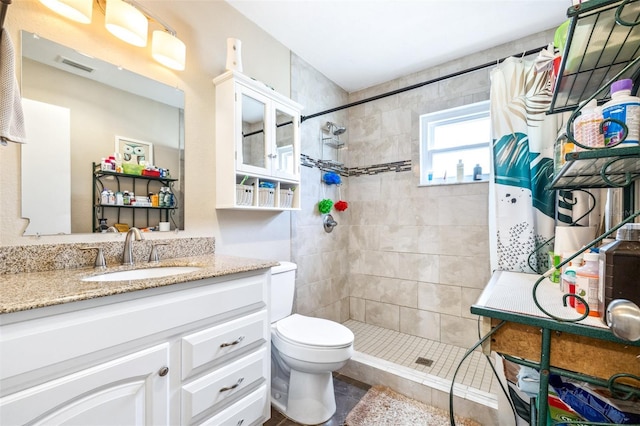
(312, 401)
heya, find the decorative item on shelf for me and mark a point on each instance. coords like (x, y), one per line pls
(234, 55)
(324, 206)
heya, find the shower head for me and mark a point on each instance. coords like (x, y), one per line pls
(335, 129)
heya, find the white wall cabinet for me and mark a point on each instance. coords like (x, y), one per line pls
(162, 356)
(257, 145)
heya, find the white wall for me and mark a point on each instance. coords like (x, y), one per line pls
(204, 26)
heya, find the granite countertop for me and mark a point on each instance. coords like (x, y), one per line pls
(24, 291)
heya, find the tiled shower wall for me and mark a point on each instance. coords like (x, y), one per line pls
(322, 288)
(408, 258)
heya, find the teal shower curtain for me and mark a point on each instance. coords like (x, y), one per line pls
(523, 137)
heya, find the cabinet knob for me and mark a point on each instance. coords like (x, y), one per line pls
(163, 371)
(228, 388)
(235, 342)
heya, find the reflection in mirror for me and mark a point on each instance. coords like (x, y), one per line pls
(76, 107)
(253, 124)
(284, 142)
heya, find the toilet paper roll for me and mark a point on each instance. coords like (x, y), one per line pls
(570, 239)
(164, 226)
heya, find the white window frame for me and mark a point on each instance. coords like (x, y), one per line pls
(428, 122)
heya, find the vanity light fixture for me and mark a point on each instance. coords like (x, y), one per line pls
(129, 21)
(76, 10)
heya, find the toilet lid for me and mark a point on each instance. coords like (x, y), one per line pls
(314, 332)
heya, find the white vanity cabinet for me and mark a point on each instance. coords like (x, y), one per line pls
(181, 354)
(257, 145)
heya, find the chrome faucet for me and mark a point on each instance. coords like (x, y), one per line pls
(127, 255)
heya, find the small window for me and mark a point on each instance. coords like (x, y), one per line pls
(462, 133)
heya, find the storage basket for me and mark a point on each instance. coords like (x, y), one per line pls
(266, 197)
(286, 198)
(244, 195)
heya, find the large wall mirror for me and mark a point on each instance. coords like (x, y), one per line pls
(77, 108)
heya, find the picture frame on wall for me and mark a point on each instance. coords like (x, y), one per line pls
(134, 151)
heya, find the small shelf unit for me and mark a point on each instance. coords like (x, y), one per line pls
(141, 216)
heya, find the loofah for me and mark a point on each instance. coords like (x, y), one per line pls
(331, 178)
(325, 206)
(341, 206)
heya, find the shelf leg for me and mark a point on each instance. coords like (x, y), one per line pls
(543, 393)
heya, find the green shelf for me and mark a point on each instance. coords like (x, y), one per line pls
(598, 48)
(585, 169)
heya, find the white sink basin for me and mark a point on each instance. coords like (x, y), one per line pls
(143, 274)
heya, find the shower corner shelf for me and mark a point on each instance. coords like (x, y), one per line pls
(587, 65)
(333, 143)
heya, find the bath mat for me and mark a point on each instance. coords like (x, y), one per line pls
(382, 406)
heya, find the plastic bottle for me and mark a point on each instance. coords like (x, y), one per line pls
(168, 198)
(104, 197)
(126, 200)
(588, 284)
(625, 108)
(620, 268)
(568, 282)
(477, 172)
(586, 128)
(459, 171)
(119, 198)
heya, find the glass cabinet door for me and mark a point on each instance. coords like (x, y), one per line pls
(286, 156)
(253, 133)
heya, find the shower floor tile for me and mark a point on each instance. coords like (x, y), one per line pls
(404, 350)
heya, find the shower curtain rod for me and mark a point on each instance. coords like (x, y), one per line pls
(415, 86)
(3, 12)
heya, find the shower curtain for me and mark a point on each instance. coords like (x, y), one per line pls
(523, 137)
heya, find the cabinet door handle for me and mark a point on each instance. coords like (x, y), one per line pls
(228, 388)
(235, 342)
(240, 422)
(163, 371)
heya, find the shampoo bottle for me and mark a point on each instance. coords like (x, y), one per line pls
(459, 171)
(588, 284)
(625, 108)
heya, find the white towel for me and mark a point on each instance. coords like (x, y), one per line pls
(11, 116)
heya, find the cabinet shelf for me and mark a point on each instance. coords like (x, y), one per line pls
(599, 168)
(257, 146)
(597, 49)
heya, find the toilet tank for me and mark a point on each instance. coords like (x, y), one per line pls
(283, 284)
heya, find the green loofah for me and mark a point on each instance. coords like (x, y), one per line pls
(325, 206)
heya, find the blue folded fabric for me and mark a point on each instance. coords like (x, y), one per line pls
(529, 381)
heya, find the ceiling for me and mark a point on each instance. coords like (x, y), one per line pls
(361, 43)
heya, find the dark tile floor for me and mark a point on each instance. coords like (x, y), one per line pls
(348, 392)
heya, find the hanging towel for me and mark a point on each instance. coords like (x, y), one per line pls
(11, 115)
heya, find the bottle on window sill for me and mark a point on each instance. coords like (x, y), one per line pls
(477, 172)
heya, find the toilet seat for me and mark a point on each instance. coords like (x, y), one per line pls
(312, 332)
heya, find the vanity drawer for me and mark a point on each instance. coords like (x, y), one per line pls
(206, 346)
(250, 410)
(224, 383)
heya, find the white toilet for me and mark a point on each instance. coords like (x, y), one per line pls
(304, 353)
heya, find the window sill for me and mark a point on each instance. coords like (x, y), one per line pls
(442, 182)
